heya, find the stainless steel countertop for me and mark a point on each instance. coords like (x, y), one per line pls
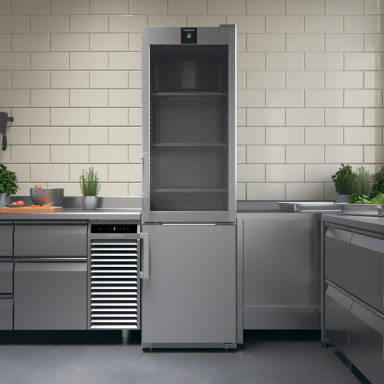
(369, 223)
(78, 214)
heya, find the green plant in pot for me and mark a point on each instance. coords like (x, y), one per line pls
(8, 185)
(348, 182)
(344, 182)
(378, 183)
(90, 187)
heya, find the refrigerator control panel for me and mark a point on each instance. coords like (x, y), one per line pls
(188, 35)
(110, 228)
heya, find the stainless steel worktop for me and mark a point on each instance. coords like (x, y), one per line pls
(369, 223)
(78, 214)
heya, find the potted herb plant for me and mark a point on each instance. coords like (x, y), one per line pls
(344, 183)
(90, 187)
(8, 185)
(362, 183)
(378, 183)
(348, 182)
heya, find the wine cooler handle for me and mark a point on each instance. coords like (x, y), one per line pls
(144, 274)
(145, 173)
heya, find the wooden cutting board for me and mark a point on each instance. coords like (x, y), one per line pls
(31, 210)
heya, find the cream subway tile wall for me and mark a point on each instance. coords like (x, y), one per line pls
(310, 90)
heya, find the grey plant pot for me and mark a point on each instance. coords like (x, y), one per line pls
(90, 202)
(4, 200)
(342, 198)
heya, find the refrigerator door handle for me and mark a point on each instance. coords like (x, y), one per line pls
(144, 274)
(145, 180)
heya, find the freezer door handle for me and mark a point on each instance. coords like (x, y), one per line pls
(144, 274)
(145, 175)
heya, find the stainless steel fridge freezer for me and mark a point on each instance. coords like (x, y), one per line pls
(189, 187)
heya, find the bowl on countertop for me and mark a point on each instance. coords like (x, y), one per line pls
(47, 196)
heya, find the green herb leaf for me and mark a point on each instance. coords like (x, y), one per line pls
(89, 183)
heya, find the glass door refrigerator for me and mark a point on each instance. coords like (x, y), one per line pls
(189, 187)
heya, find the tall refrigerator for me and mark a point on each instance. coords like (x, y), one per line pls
(189, 187)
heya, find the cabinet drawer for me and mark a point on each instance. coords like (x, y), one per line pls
(366, 342)
(6, 240)
(337, 306)
(6, 276)
(366, 270)
(50, 240)
(337, 256)
(50, 295)
(6, 314)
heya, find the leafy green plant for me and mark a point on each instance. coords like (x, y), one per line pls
(89, 183)
(8, 181)
(344, 180)
(361, 183)
(378, 183)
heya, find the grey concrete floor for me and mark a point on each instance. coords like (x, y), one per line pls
(271, 357)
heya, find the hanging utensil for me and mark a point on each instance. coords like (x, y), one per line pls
(3, 127)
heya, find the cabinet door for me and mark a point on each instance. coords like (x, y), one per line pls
(6, 276)
(50, 240)
(50, 295)
(6, 239)
(6, 313)
(366, 342)
(190, 295)
(366, 270)
(337, 306)
(337, 256)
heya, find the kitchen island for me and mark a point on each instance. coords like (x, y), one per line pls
(353, 290)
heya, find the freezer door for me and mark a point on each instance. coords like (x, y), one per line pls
(190, 295)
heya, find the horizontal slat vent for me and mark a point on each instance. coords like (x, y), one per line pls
(114, 279)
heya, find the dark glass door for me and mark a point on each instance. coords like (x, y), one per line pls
(189, 128)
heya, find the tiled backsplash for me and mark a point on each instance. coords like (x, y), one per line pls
(310, 87)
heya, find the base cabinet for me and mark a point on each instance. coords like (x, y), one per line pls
(6, 313)
(353, 298)
(366, 342)
(50, 295)
(337, 306)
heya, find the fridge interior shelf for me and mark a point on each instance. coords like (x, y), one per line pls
(182, 93)
(189, 145)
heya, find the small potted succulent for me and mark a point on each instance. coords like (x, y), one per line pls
(90, 187)
(8, 185)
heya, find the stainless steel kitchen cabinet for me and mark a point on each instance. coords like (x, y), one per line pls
(41, 238)
(190, 295)
(366, 270)
(278, 270)
(50, 294)
(6, 276)
(337, 256)
(366, 341)
(6, 312)
(6, 238)
(337, 306)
